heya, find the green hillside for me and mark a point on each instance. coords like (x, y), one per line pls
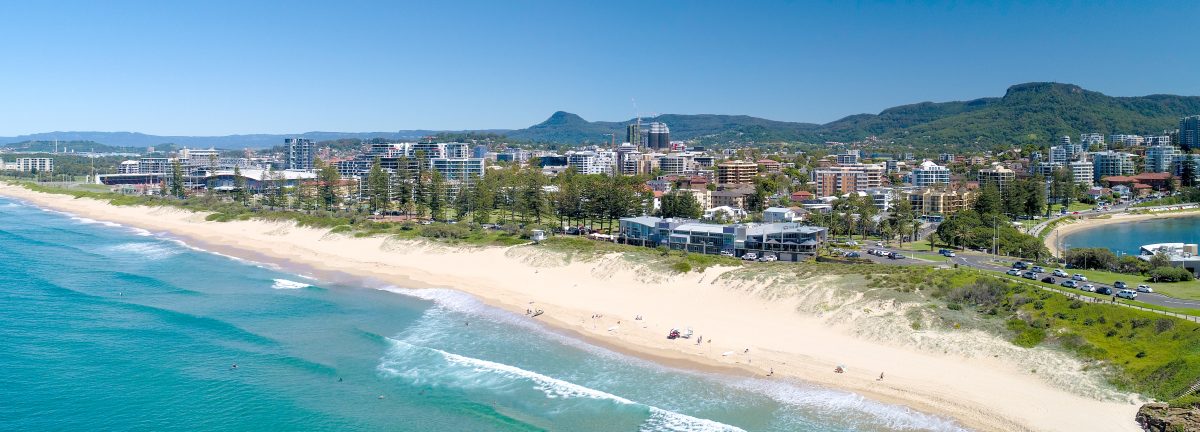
(1033, 112)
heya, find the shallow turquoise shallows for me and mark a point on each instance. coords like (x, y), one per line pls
(104, 327)
(1127, 238)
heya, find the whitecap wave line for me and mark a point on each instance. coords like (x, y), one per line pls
(461, 302)
(141, 232)
(289, 284)
(553, 388)
(90, 221)
(151, 251)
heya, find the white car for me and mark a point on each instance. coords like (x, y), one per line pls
(1079, 277)
(1060, 273)
(1088, 288)
(1145, 289)
(1013, 272)
(749, 256)
(1127, 294)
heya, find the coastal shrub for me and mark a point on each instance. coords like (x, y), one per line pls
(984, 292)
(1170, 274)
(681, 267)
(1163, 325)
(1188, 401)
(1029, 337)
(445, 231)
(1090, 258)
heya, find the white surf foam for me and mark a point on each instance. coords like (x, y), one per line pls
(837, 403)
(809, 398)
(90, 221)
(659, 419)
(145, 250)
(288, 284)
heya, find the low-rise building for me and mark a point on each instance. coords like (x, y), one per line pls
(787, 241)
(780, 214)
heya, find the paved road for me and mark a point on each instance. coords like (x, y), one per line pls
(984, 262)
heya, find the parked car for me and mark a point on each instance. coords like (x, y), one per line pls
(1088, 288)
(1069, 284)
(1104, 290)
(853, 254)
(895, 256)
(871, 251)
(1060, 273)
(1048, 279)
(750, 256)
(1119, 285)
(1079, 277)
(1013, 272)
(1020, 265)
(1038, 269)
(1029, 275)
(1144, 289)
(948, 253)
(1127, 293)
(726, 253)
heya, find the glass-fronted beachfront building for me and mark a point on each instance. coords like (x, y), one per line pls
(787, 241)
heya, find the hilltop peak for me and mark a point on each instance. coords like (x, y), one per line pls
(1043, 88)
(563, 118)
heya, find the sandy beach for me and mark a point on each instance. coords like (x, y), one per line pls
(980, 381)
(1054, 238)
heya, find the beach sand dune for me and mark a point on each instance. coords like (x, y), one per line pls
(797, 327)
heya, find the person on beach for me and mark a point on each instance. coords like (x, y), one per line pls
(772, 372)
(880, 377)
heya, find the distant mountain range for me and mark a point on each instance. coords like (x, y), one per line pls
(1027, 113)
(1033, 112)
(254, 141)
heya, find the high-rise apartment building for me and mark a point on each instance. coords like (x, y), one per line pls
(736, 172)
(659, 136)
(839, 180)
(997, 175)
(1189, 132)
(1092, 142)
(1082, 171)
(1112, 163)
(300, 154)
(930, 174)
(848, 157)
(1161, 157)
(633, 134)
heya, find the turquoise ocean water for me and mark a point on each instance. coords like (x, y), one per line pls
(1127, 238)
(107, 327)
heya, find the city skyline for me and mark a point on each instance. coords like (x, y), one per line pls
(225, 68)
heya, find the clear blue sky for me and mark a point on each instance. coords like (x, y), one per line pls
(215, 68)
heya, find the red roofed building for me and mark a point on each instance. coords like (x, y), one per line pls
(1141, 182)
(801, 196)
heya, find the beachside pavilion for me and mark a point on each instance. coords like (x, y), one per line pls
(788, 241)
(1181, 254)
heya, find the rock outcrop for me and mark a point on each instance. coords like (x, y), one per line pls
(1160, 417)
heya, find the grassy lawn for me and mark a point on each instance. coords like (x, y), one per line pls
(930, 257)
(1184, 290)
(1077, 206)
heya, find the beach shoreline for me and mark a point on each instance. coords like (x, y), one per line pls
(977, 393)
(1053, 240)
